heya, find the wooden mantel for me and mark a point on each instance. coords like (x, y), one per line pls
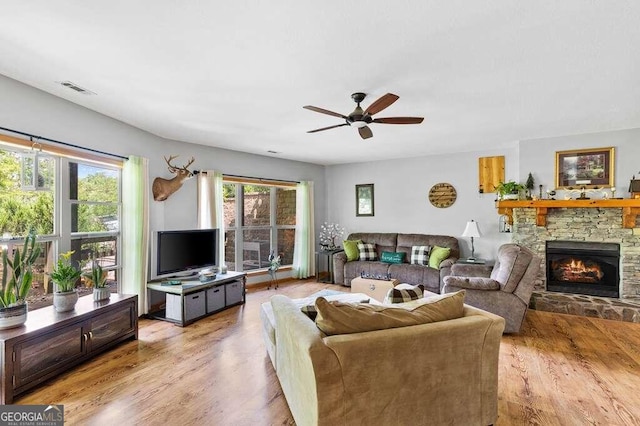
(630, 208)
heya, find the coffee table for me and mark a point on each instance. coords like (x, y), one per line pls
(377, 289)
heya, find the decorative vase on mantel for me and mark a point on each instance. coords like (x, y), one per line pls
(65, 301)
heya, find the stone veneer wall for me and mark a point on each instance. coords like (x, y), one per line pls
(584, 224)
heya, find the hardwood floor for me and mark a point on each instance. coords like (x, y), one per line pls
(560, 370)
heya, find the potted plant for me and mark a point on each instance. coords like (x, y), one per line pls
(17, 283)
(509, 190)
(65, 275)
(97, 278)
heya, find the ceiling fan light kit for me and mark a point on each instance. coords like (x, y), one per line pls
(361, 119)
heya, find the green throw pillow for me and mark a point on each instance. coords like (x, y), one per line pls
(351, 249)
(392, 257)
(438, 254)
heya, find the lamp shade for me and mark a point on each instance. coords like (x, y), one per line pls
(471, 230)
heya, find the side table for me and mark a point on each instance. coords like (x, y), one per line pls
(327, 274)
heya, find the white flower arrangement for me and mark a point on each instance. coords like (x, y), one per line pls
(328, 234)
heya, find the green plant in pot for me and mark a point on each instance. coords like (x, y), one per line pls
(65, 276)
(17, 275)
(509, 190)
(97, 278)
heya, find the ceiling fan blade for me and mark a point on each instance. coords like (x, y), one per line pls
(365, 132)
(327, 128)
(324, 111)
(383, 102)
(399, 120)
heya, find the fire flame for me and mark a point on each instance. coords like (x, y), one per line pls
(576, 270)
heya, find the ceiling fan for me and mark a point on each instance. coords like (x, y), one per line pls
(362, 118)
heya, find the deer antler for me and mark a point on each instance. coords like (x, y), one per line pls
(189, 163)
(171, 167)
(174, 169)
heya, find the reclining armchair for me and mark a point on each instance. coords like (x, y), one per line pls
(505, 290)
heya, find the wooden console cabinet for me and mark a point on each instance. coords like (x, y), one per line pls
(191, 300)
(50, 342)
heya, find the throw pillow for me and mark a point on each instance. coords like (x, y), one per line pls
(344, 318)
(392, 257)
(351, 249)
(438, 254)
(401, 295)
(367, 251)
(420, 255)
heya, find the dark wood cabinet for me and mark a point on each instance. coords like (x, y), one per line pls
(50, 342)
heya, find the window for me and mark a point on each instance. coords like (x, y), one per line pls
(80, 210)
(258, 220)
(94, 196)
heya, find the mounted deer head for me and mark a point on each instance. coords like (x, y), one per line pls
(163, 188)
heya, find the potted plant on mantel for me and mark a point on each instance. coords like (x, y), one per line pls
(13, 305)
(97, 278)
(509, 190)
(65, 275)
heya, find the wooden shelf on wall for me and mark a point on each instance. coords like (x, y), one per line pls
(630, 208)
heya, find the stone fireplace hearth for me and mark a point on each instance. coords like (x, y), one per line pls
(583, 225)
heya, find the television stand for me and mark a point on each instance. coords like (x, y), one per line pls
(191, 300)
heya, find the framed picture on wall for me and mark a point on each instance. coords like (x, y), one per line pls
(587, 168)
(364, 200)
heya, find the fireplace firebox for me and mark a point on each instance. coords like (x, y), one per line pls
(590, 268)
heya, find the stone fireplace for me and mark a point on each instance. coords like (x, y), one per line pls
(582, 227)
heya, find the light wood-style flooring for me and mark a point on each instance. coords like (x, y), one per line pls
(560, 370)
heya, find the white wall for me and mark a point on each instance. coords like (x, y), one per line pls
(402, 203)
(33, 111)
(402, 186)
(538, 156)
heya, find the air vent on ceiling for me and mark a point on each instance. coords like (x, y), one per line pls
(77, 88)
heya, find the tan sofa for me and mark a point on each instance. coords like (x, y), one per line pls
(431, 278)
(438, 373)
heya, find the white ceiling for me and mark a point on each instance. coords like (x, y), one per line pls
(236, 74)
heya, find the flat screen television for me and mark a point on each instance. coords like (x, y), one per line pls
(183, 253)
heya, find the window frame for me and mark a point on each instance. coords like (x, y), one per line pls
(239, 228)
(62, 236)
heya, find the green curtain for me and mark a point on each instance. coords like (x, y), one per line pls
(210, 206)
(304, 249)
(135, 229)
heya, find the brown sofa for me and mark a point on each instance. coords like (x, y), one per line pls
(439, 373)
(431, 278)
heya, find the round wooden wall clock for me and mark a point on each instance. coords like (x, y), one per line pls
(442, 195)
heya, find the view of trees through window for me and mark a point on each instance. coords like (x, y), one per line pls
(90, 229)
(21, 209)
(259, 219)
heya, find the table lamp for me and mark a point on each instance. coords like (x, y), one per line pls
(472, 230)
